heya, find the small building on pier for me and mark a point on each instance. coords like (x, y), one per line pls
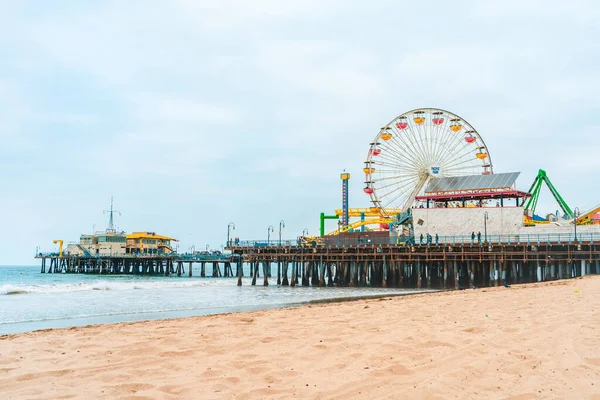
(99, 244)
(116, 244)
(460, 205)
(148, 243)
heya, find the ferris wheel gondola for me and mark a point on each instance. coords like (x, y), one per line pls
(416, 147)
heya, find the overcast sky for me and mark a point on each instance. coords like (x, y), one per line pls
(193, 114)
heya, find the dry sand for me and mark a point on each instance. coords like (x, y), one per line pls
(526, 342)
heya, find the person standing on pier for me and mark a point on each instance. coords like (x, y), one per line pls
(472, 237)
(437, 239)
(421, 239)
(479, 237)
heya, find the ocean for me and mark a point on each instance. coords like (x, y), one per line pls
(30, 300)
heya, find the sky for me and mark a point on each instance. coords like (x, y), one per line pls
(194, 114)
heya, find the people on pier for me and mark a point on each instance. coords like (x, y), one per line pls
(479, 237)
(437, 239)
(472, 237)
(421, 239)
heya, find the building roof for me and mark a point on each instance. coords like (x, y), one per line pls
(148, 235)
(472, 182)
(506, 194)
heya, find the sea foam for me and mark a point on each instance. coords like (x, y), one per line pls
(12, 289)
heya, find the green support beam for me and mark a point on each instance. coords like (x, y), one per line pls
(535, 190)
(323, 218)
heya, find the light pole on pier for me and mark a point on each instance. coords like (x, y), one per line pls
(269, 230)
(576, 214)
(485, 218)
(230, 227)
(281, 226)
(305, 232)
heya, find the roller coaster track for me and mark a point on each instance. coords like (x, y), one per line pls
(586, 217)
(358, 224)
(367, 212)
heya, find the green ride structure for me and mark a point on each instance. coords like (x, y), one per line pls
(535, 190)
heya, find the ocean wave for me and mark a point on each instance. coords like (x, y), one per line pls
(14, 289)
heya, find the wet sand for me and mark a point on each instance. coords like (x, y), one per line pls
(525, 342)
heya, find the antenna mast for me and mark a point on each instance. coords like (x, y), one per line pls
(111, 212)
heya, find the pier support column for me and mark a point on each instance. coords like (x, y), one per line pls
(364, 268)
(428, 269)
(445, 281)
(294, 267)
(401, 272)
(305, 273)
(418, 275)
(583, 267)
(384, 274)
(456, 275)
(560, 270)
(494, 274)
(266, 266)
(314, 273)
(254, 271)
(278, 273)
(470, 271)
(329, 269)
(352, 282)
(284, 281)
(539, 271)
(321, 273)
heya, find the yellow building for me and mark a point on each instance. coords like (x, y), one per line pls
(148, 243)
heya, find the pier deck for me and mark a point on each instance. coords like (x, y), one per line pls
(447, 266)
(423, 266)
(138, 265)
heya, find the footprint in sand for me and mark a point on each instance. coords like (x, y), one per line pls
(396, 369)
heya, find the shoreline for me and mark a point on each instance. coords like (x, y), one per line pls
(130, 317)
(528, 341)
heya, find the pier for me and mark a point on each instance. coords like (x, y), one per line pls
(139, 264)
(377, 263)
(442, 266)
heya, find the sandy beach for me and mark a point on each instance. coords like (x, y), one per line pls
(525, 342)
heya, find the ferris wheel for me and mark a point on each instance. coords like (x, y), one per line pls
(416, 147)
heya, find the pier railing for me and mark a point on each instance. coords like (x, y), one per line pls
(203, 257)
(558, 238)
(180, 257)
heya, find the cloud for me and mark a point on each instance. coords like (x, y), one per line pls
(171, 109)
(195, 113)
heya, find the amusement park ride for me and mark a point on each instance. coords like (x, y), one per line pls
(409, 154)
